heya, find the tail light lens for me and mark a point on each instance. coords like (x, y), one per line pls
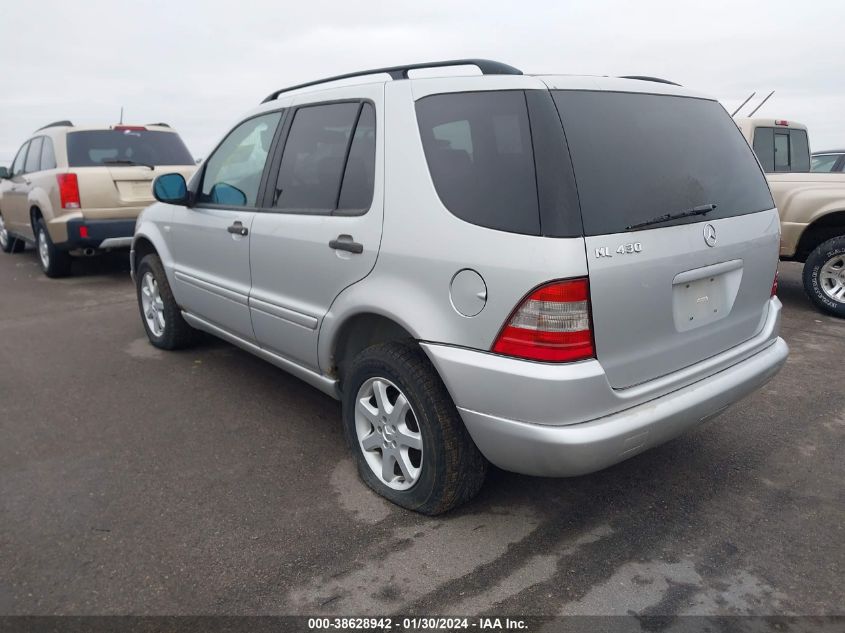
(68, 191)
(552, 324)
(775, 285)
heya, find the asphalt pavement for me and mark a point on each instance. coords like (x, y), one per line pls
(207, 481)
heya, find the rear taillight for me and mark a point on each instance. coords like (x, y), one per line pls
(552, 324)
(68, 191)
(775, 285)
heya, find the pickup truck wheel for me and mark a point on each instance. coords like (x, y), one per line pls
(824, 276)
(9, 244)
(409, 441)
(54, 262)
(160, 314)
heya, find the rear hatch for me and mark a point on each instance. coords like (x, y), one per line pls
(116, 167)
(668, 294)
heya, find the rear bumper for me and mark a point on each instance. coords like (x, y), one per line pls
(537, 418)
(98, 234)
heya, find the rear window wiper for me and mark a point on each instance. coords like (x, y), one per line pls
(703, 209)
(129, 163)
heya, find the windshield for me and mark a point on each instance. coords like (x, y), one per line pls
(126, 147)
(638, 156)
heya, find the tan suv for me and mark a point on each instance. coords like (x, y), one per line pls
(811, 206)
(74, 191)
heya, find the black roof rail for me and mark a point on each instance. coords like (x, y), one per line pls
(656, 80)
(56, 124)
(486, 66)
(159, 124)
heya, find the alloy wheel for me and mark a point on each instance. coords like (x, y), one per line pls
(388, 433)
(4, 234)
(152, 304)
(43, 249)
(832, 278)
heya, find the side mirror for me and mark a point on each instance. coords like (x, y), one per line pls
(171, 189)
(4, 173)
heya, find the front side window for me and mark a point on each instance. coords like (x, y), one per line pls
(17, 165)
(480, 157)
(233, 172)
(33, 157)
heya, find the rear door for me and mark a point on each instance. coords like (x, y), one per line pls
(669, 294)
(321, 226)
(210, 241)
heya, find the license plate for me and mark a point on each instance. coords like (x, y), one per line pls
(699, 300)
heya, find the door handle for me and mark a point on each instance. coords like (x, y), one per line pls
(346, 243)
(238, 229)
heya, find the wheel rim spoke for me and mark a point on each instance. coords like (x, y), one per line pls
(409, 472)
(372, 442)
(387, 462)
(406, 437)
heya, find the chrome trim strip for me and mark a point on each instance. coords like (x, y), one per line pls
(286, 314)
(212, 288)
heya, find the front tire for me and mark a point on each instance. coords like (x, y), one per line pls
(824, 276)
(408, 439)
(54, 262)
(160, 314)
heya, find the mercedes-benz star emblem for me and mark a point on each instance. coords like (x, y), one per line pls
(709, 235)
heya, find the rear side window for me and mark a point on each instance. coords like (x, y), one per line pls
(48, 155)
(328, 163)
(638, 156)
(782, 149)
(33, 157)
(126, 147)
(356, 193)
(480, 156)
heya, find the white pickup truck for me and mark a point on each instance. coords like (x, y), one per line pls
(811, 206)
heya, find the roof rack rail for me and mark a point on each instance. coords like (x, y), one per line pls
(56, 124)
(486, 66)
(159, 124)
(656, 80)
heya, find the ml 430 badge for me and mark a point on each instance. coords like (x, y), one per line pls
(622, 249)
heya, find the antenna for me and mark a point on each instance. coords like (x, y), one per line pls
(761, 103)
(121, 116)
(742, 105)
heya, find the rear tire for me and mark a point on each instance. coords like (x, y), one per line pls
(447, 469)
(824, 276)
(160, 314)
(54, 262)
(9, 243)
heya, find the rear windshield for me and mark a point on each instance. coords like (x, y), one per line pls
(638, 156)
(126, 147)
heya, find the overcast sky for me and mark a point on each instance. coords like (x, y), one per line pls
(200, 65)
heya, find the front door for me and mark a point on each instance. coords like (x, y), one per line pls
(15, 191)
(321, 226)
(211, 240)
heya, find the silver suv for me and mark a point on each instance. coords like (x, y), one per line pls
(547, 273)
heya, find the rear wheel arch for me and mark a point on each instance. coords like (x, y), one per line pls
(360, 331)
(819, 231)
